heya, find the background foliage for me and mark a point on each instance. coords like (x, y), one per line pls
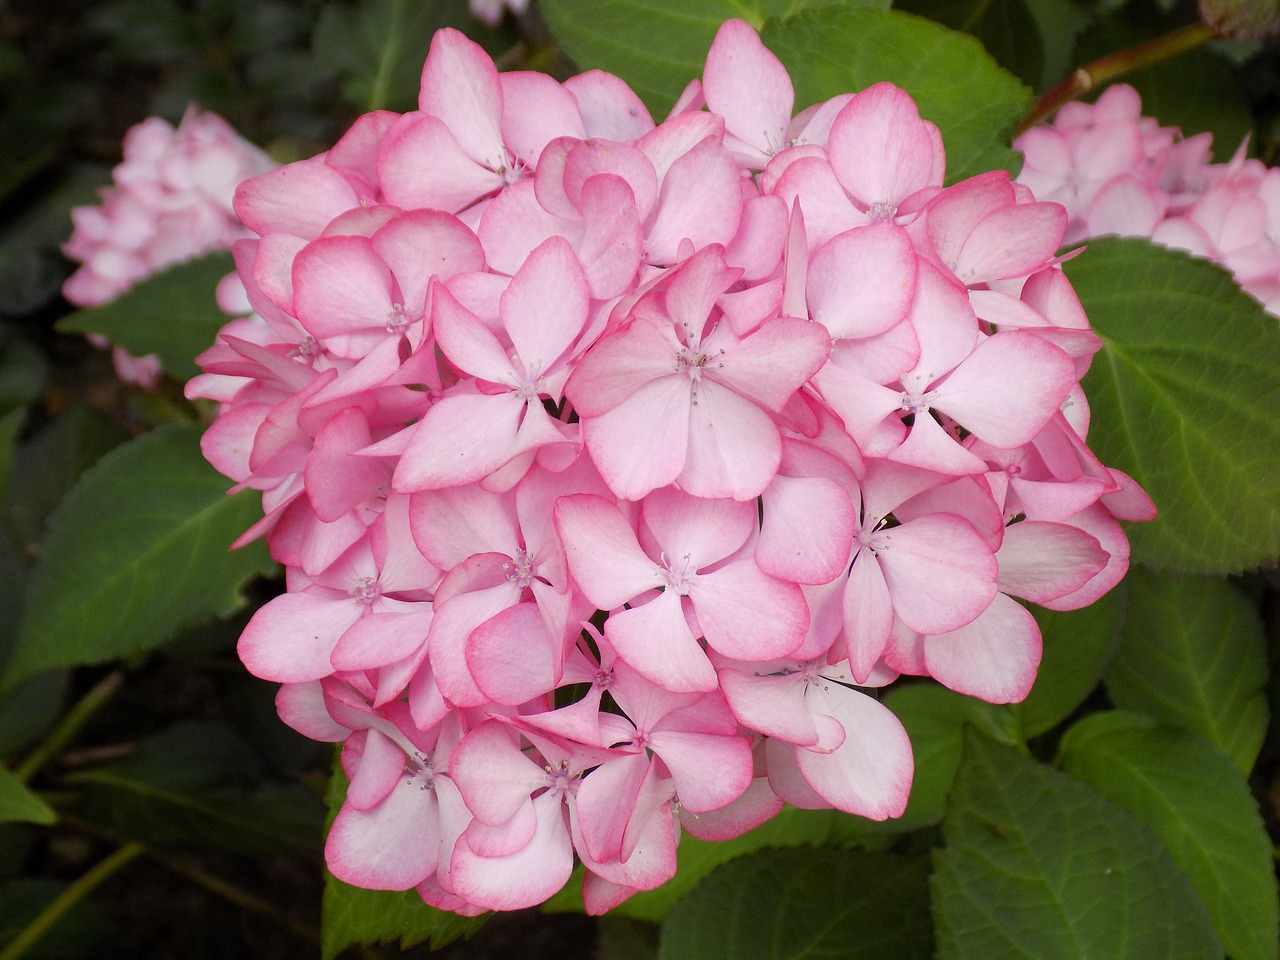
(150, 800)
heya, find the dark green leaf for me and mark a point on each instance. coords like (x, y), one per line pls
(23, 370)
(1182, 394)
(1078, 645)
(1059, 23)
(198, 784)
(31, 707)
(1209, 821)
(621, 938)
(658, 46)
(1039, 867)
(351, 915)
(935, 719)
(10, 424)
(1004, 27)
(173, 314)
(834, 51)
(48, 465)
(805, 903)
(1193, 655)
(139, 550)
(19, 803)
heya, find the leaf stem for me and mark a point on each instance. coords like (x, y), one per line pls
(68, 898)
(1108, 68)
(76, 717)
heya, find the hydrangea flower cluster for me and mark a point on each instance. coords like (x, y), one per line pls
(615, 464)
(171, 200)
(1118, 172)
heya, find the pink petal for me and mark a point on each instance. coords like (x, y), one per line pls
(511, 656)
(460, 85)
(862, 282)
(941, 573)
(994, 658)
(460, 439)
(748, 86)
(881, 151)
(601, 550)
(747, 614)
(655, 639)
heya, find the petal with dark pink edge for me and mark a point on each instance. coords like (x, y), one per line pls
(705, 531)
(656, 640)
(447, 640)
(606, 800)
(460, 85)
(494, 777)
(297, 198)
(421, 244)
(868, 614)
(602, 552)
(710, 771)
(862, 282)
(1011, 242)
(994, 658)
(643, 443)
(522, 879)
(514, 223)
(381, 765)
(460, 439)
(757, 805)
(341, 286)
(747, 85)
(394, 846)
(290, 639)
(747, 614)
(881, 151)
(423, 166)
(536, 110)
(808, 526)
(612, 236)
(734, 447)
(1008, 388)
(336, 480)
(809, 184)
(1097, 521)
(870, 773)
(1043, 561)
(609, 107)
(303, 707)
(770, 364)
(941, 573)
(771, 702)
(467, 342)
(545, 305)
(511, 657)
(700, 200)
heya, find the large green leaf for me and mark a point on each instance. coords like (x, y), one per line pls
(1078, 645)
(378, 47)
(658, 46)
(1183, 395)
(1005, 28)
(1037, 866)
(137, 551)
(199, 785)
(1193, 655)
(173, 314)
(351, 915)
(801, 903)
(833, 50)
(19, 803)
(1209, 822)
(935, 719)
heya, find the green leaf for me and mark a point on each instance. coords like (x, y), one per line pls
(1209, 822)
(935, 719)
(19, 803)
(1039, 867)
(1059, 23)
(658, 46)
(48, 465)
(10, 424)
(351, 915)
(23, 371)
(173, 313)
(137, 551)
(378, 47)
(1193, 655)
(834, 51)
(1004, 27)
(1078, 645)
(197, 784)
(802, 903)
(1183, 394)
(697, 858)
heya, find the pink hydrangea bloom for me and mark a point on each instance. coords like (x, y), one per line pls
(1118, 172)
(170, 201)
(726, 417)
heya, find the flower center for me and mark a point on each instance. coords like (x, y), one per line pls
(365, 589)
(677, 577)
(521, 570)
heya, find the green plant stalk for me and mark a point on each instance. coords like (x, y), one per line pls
(68, 898)
(76, 718)
(1113, 65)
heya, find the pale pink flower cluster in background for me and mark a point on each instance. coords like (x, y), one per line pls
(170, 201)
(491, 11)
(1118, 172)
(613, 465)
